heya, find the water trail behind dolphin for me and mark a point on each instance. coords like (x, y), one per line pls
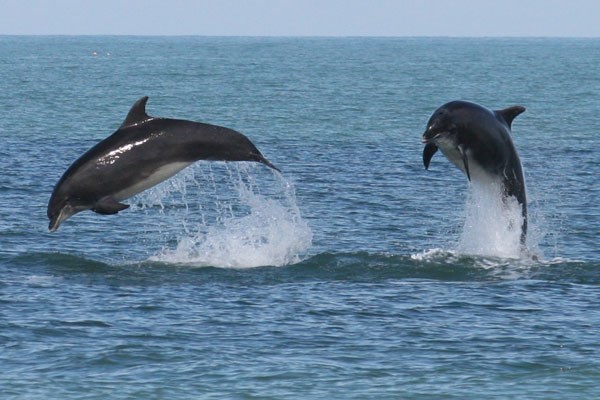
(228, 219)
(492, 226)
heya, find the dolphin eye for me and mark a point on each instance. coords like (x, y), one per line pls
(436, 126)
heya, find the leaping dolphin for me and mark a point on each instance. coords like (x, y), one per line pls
(478, 141)
(143, 152)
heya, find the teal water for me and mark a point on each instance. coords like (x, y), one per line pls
(351, 275)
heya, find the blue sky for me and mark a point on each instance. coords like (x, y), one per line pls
(569, 18)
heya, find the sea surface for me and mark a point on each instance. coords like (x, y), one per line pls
(353, 274)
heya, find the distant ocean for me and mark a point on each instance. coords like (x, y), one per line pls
(354, 274)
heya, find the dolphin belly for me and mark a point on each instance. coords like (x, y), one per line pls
(449, 149)
(157, 176)
(476, 170)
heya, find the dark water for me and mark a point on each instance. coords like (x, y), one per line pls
(356, 273)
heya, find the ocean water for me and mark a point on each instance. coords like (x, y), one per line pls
(353, 274)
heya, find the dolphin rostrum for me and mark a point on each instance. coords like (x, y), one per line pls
(143, 152)
(478, 141)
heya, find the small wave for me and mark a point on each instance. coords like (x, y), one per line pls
(85, 323)
(57, 260)
(429, 265)
(435, 264)
(444, 265)
(482, 261)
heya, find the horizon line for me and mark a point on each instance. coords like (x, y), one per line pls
(305, 36)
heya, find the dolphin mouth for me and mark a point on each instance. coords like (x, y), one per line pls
(426, 140)
(54, 223)
(57, 219)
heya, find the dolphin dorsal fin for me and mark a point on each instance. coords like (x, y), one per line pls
(137, 114)
(510, 113)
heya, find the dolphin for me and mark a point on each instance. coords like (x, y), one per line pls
(478, 141)
(143, 152)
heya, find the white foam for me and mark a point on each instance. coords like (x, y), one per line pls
(42, 280)
(432, 255)
(232, 224)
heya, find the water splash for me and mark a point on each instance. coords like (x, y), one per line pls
(490, 239)
(492, 226)
(225, 219)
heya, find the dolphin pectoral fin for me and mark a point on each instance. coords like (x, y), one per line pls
(428, 153)
(108, 206)
(465, 159)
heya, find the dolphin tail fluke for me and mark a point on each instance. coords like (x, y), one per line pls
(514, 188)
(263, 160)
(524, 225)
(524, 233)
